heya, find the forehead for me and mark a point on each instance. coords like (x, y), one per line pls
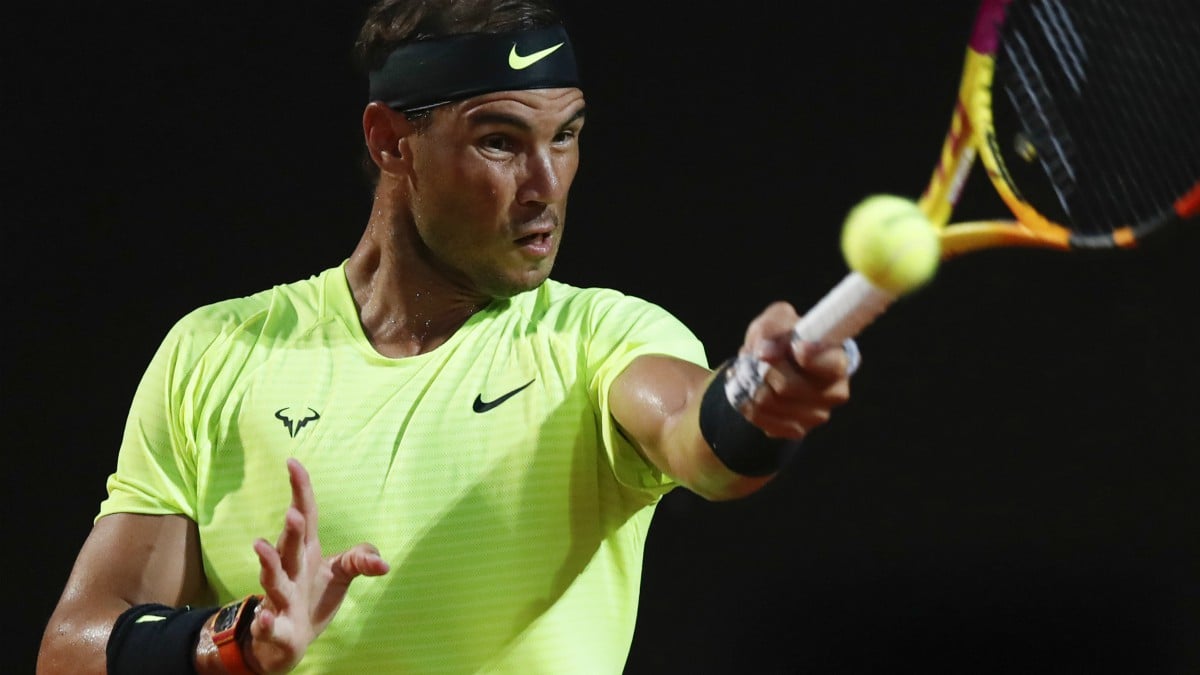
(553, 107)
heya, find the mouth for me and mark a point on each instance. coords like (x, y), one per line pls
(537, 244)
(536, 238)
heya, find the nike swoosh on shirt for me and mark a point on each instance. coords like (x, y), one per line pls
(480, 406)
(518, 62)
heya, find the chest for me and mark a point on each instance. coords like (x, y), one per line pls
(479, 444)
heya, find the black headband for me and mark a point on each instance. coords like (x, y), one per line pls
(426, 73)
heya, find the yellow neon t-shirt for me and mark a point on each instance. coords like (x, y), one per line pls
(489, 471)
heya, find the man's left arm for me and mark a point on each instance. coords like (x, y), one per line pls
(657, 403)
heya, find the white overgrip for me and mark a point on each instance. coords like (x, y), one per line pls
(843, 313)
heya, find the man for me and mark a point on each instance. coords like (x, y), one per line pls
(499, 438)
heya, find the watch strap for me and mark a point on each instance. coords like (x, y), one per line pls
(231, 628)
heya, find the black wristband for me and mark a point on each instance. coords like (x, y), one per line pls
(741, 446)
(156, 639)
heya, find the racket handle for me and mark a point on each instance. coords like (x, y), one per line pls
(843, 313)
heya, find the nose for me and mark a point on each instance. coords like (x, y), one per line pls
(547, 176)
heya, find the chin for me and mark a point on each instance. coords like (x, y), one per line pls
(507, 288)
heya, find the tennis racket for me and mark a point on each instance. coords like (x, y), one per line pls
(1085, 115)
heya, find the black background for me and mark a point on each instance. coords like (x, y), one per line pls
(1012, 488)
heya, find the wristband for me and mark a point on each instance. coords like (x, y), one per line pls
(742, 447)
(155, 638)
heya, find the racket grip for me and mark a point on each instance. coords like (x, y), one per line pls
(843, 313)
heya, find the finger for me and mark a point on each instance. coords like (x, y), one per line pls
(775, 321)
(263, 627)
(779, 421)
(360, 560)
(274, 581)
(291, 542)
(779, 417)
(272, 641)
(302, 497)
(823, 380)
(796, 391)
(827, 362)
(772, 350)
(792, 402)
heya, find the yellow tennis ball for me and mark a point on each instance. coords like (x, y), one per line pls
(888, 240)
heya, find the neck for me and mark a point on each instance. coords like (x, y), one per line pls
(405, 307)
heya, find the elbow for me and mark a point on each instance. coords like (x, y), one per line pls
(72, 648)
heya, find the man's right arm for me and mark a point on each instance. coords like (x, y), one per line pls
(128, 559)
(131, 560)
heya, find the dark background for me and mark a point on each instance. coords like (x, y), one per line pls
(1011, 489)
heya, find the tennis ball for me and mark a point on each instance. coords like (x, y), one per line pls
(888, 240)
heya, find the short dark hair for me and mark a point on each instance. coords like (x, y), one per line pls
(391, 23)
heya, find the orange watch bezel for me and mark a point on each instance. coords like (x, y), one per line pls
(234, 621)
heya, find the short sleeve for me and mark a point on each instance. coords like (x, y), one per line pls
(625, 328)
(156, 468)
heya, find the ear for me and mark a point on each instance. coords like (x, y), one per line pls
(385, 130)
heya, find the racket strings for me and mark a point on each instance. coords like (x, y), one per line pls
(1152, 71)
(1107, 106)
(1171, 96)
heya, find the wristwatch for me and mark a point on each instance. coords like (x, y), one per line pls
(230, 628)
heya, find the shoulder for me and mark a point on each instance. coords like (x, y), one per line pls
(607, 322)
(272, 313)
(592, 307)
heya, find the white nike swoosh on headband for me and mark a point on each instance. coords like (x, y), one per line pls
(518, 62)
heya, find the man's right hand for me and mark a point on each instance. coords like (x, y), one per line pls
(303, 589)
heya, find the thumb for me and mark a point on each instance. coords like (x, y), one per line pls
(360, 560)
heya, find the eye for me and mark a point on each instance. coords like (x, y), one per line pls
(566, 136)
(497, 143)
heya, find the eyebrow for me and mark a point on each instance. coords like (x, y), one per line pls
(519, 122)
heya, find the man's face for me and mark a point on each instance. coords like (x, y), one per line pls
(489, 186)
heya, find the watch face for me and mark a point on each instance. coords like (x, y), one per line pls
(226, 617)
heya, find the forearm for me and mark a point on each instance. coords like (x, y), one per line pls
(680, 416)
(144, 638)
(693, 460)
(657, 402)
(128, 560)
(114, 637)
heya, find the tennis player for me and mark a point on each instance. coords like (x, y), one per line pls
(486, 445)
